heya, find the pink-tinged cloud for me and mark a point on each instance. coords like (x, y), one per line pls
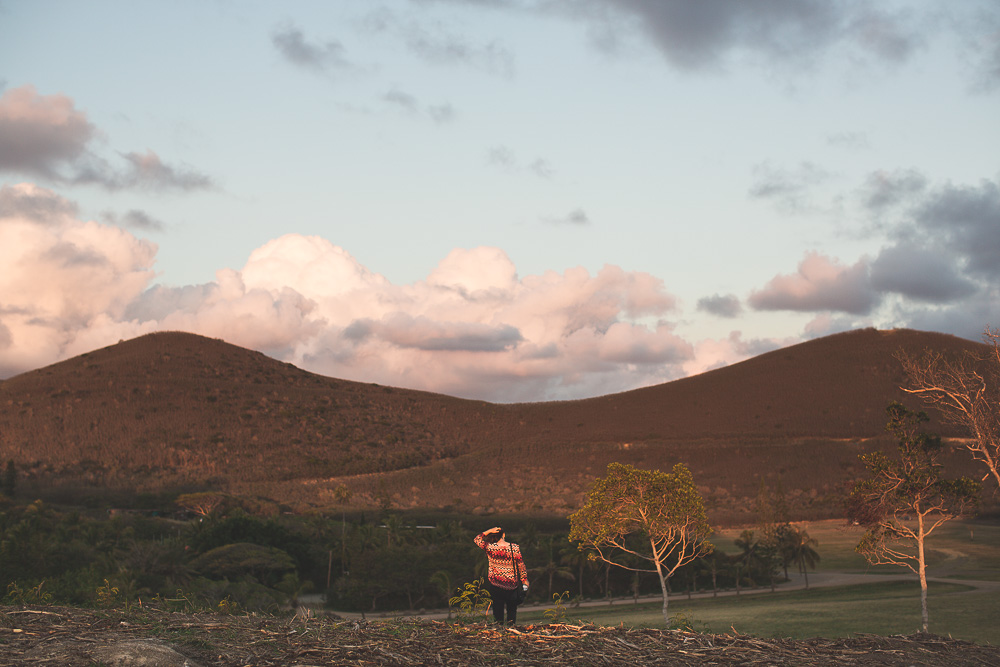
(710, 354)
(472, 328)
(61, 277)
(821, 284)
(39, 133)
(47, 137)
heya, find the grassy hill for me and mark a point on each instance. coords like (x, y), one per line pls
(171, 412)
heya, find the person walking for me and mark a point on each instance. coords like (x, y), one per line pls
(507, 578)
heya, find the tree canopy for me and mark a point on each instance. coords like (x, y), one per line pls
(966, 390)
(635, 516)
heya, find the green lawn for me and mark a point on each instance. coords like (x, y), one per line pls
(885, 608)
(959, 550)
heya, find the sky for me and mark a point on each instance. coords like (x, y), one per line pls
(507, 200)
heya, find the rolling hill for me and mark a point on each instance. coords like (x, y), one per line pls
(173, 412)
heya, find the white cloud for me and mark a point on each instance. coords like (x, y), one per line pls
(61, 277)
(472, 328)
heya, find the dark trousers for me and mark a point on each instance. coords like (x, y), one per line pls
(503, 600)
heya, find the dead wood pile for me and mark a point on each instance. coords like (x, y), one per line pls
(70, 636)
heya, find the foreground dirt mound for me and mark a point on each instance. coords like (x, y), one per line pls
(156, 638)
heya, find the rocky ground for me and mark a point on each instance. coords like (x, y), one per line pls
(160, 638)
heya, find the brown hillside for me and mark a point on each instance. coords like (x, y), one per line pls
(175, 411)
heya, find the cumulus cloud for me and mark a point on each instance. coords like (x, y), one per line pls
(965, 318)
(965, 219)
(827, 324)
(710, 354)
(45, 136)
(473, 327)
(920, 273)
(820, 284)
(62, 276)
(727, 305)
(958, 226)
(940, 264)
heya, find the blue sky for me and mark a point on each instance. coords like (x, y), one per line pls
(513, 201)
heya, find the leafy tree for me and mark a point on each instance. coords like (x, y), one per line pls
(663, 511)
(966, 391)
(898, 491)
(234, 561)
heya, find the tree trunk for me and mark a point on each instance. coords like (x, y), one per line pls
(663, 586)
(666, 599)
(922, 570)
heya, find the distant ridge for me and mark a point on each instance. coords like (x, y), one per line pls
(176, 411)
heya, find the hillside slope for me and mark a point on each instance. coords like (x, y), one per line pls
(176, 411)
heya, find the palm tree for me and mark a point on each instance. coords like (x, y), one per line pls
(441, 580)
(712, 565)
(748, 558)
(552, 568)
(573, 557)
(800, 548)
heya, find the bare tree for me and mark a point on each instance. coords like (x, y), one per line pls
(903, 501)
(966, 391)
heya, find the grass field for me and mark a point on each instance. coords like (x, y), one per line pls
(961, 551)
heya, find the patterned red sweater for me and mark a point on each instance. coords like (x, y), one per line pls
(502, 571)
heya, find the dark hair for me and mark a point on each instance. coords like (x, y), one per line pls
(493, 538)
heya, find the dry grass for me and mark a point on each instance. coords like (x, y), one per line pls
(42, 636)
(174, 411)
